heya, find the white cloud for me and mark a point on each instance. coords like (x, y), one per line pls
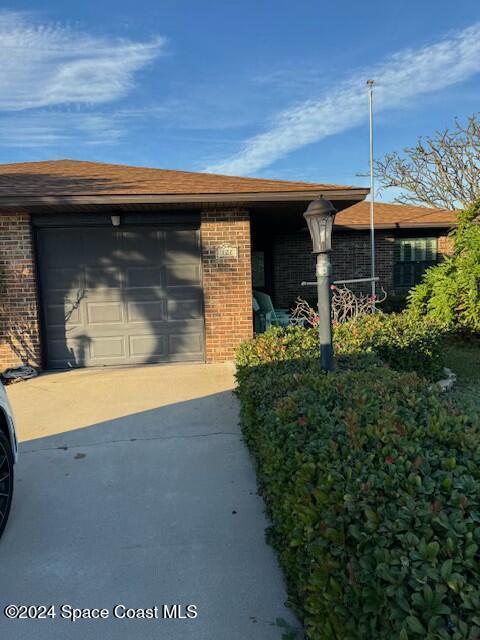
(45, 65)
(40, 128)
(403, 76)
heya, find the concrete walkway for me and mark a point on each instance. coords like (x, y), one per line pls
(134, 488)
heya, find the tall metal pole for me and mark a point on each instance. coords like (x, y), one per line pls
(370, 84)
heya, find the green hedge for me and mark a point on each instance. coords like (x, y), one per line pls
(398, 340)
(373, 490)
(403, 341)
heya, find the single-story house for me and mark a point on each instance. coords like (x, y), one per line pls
(104, 264)
(408, 239)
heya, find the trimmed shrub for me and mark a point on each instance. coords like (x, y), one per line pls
(278, 344)
(400, 341)
(373, 490)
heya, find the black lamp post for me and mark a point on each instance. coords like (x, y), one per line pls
(320, 215)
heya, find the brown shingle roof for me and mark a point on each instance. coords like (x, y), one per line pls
(390, 216)
(80, 178)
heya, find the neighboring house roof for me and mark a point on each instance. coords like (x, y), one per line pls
(74, 179)
(394, 216)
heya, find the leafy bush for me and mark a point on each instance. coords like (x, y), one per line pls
(401, 341)
(450, 291)
(373, 490)
(278, 344)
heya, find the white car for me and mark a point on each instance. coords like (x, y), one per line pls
(8, 457)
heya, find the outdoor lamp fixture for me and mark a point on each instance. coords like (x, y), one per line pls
(320, 215)
(115, 220)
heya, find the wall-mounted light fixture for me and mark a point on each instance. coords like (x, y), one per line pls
(115, 220)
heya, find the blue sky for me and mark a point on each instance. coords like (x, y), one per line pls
(265, 88)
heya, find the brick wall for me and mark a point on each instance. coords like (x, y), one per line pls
(226, 283)
(19, 328)
(293, 262)
(445, 246)
(351, 258)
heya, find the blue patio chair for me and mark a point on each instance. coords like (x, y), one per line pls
(266, 315)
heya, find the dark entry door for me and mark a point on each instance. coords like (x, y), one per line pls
(120, 295)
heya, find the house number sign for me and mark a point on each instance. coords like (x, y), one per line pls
(224, 251)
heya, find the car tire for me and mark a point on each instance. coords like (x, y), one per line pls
(6, 480)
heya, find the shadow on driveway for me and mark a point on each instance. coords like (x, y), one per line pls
(157, 507)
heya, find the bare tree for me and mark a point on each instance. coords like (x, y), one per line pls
(439, 171)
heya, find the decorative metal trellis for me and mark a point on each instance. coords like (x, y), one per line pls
(345, 303)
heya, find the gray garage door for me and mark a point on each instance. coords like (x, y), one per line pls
(120, 295)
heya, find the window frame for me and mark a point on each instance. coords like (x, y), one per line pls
(416, 262)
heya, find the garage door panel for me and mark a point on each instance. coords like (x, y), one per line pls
(182, 274)
(184, 344)
(141, 295)
(107, 347)
(63, 279)
(58, 349)
(146, 311)
(184, 292)
(187, 309)
(182, 246)
(58, 314)
(60, 247)
(104, 312)
(108, 277)
(101, 246)
(133, 295)
(143, 277)
(148, 345)
(142, 246)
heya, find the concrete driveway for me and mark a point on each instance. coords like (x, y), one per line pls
(134, 488)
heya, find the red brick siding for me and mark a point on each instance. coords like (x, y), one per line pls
(293, 262)
(19, 327)
(227, 283)
(445, 246)
(351, 258)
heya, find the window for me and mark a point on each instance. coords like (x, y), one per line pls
(258, 269)
(412, 256)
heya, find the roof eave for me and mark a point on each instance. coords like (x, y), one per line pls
(398, 225)
(351, 194)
